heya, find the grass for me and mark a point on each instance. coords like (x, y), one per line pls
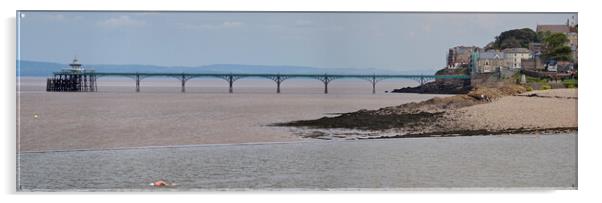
(543, 83)
(536, 80)
(570, 83)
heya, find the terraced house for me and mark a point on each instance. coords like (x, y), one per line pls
(515, 56)
(487, 61)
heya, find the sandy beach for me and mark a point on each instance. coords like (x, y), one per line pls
(556, 108)
(483, 111)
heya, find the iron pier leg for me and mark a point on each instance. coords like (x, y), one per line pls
(373, 84)
(278, 84)
(326, 86)
(373, 87)
(183, 84)
(137, 83)
(230, 81)
(325, 80)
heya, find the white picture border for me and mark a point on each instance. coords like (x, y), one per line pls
(589, 124)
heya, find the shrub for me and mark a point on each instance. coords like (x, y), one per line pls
(570, 83)
(546, 87)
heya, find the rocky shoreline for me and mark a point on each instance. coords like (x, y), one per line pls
(481, 132)
(442, 86)
(482, 111)
(450, 86)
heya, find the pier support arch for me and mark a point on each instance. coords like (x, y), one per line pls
(230, 78)
(326, 79)
(278, 79)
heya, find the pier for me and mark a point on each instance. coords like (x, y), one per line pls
(74, 79)
(78, 79)
(231, 78)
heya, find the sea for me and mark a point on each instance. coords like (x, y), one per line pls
(208, 139)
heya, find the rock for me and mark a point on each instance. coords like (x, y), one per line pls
(448, 86)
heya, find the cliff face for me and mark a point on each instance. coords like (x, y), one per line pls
(443, 86)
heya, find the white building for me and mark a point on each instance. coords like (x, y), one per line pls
(514, 56)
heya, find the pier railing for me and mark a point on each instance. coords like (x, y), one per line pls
(230, 78)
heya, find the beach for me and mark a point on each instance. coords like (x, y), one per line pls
(555, 108)
(483, 111)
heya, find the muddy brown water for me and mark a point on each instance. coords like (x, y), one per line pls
(207, 118)
(160, 114)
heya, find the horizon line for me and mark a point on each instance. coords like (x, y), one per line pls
(202, 66)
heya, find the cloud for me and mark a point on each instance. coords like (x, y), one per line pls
(219, 26)
(121, 21)
(486, 21)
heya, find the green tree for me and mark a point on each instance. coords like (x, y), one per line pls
(510, 43)
(562, 53)
(517, 38)
(542, 35)
(555, 47)
(556, 40)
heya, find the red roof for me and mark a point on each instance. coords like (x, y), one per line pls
(554, 28)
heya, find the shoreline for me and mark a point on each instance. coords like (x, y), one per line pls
(483, 111)
(482, 132)
(546, 132)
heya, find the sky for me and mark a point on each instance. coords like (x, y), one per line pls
(389, 41)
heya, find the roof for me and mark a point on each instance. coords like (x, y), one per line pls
(516, 50)
(491, 54)
(554, 28)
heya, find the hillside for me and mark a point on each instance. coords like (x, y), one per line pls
(37, 68)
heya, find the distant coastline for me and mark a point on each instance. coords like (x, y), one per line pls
(41, 68)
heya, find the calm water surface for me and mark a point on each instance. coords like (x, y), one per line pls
(518, 161)
(116, 117)
(159, 115)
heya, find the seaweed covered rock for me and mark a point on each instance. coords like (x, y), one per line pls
(442, 86)
(448, 86)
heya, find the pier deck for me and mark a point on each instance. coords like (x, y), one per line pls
(72, 78)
